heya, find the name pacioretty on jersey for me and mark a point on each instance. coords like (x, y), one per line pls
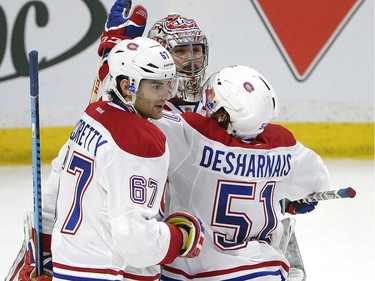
(87, 136)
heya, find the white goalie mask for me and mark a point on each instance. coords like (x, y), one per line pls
(174, 32)
(138, 59)
(247, 97)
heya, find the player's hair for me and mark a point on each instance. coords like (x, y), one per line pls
(112, 94)
(222, 118)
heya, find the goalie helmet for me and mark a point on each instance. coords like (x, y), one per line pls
(247, 97)
(175, 30)
(137, 59)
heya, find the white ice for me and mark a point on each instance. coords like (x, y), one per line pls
(337, 240)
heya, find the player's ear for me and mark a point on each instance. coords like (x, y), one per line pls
(124, 85)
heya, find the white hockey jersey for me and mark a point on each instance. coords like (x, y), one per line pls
(235, 188)
(171, 105)
(103, 196)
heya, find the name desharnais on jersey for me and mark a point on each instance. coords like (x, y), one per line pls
(241, 164)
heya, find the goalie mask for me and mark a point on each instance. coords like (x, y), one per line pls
(178, 34)
(138, 59)
(245, 95)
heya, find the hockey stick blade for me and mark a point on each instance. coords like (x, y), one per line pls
(348, 192)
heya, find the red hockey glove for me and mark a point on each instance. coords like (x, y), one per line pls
(28, 270)
(295, 208)
(118, 27)
(192, 231)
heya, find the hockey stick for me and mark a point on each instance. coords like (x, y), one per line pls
(34, 96)
(348, 192)
(96, 84)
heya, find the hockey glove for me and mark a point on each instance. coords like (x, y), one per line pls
(295, 208)
(28, 270)
(118, 27)
(192, 231)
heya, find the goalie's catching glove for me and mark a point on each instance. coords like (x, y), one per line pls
(295, 207)
(192, 231)
(119, 27)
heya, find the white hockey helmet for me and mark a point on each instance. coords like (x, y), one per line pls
(247, 97)
(140, 58)
(175, 30)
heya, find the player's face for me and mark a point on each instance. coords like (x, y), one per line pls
(188, 58)
(152, 95)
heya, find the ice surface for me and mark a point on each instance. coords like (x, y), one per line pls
(337, 240)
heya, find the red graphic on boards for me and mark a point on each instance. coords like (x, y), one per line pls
(304, 30)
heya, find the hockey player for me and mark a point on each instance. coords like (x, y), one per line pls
(231, 169)
(104, 192)
(181, 36)
(189, 48)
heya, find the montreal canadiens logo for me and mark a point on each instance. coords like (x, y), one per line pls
(132, 46)
(248, 87)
